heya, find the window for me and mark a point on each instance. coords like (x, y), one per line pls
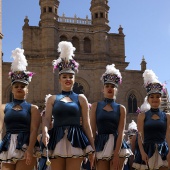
(63, 38)
(49, 9)
(132, 104)
(76, 43)
(87, 45)
(56, 10)
(44, 9)
(96, 15)
(101, 14)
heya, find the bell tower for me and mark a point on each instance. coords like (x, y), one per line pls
(99, 12)
(49, 26)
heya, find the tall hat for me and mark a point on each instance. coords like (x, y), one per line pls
(151, 83)
(111, 75)
(132, 128)
(18, 71)
(65, 63)
(145, 106)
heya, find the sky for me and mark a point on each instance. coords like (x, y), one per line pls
(146, 25)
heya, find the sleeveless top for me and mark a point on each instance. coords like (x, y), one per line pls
(16, 122)
(66, 113)
(155, 130)
(107, 123)
(67, 117)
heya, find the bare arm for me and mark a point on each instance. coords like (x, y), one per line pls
(47, 119)
(86, 120)
(140, 124)
(35, 123)
(93, 118)
(1, 119)
(133, 143)
(121, 128)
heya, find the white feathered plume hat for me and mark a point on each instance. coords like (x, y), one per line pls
(18, 71)
(111, 75)
(151, 83)
(132, 128)
(145, 106)
(65, 63)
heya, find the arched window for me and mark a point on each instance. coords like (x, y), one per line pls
(132, 104)
(50, 9)
(87, 45)
(10, 97)
(76, 43)
(78, 88)
(63, 38)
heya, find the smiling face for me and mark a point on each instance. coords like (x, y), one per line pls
(154, 100)
(109, 91)
(19, 90)
(67, 81)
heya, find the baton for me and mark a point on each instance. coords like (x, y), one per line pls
(48, 162)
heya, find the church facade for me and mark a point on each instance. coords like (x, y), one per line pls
(95, 47)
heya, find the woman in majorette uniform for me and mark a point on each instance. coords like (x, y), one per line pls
(153, 129)
(108, 120)
(69, 141)
(22, 119)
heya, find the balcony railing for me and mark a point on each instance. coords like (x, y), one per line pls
(75, 20)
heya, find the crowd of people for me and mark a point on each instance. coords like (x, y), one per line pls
(77, 135)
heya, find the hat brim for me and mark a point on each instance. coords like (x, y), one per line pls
(111, 82)
(154, 92)
(67, 71)
(20, 81)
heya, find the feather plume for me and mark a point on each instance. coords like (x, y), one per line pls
(20, 62)
(46, 97)
(132, 126)
(110, 69)
(150, 77)
(66, 50)
(145, 106)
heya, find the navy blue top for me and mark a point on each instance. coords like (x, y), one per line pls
(155, 130)
(67, 116)
(66, 113)
(107, 121)
(17, 120)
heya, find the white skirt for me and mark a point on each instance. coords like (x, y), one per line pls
(13, 154)
(155, 162)
(108, 150)
(66, 150)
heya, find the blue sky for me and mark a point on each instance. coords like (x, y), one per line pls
(146, 25)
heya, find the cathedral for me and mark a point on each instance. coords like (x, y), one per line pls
(95, 47)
